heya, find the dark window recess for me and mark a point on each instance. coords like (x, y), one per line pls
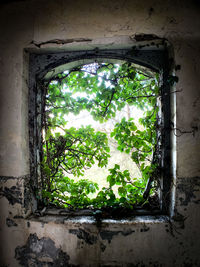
(99, 126)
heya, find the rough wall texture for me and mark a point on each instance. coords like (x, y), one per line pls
(72, 25)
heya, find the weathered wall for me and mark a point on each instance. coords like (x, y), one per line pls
(141, 242)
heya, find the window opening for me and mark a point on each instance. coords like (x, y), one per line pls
(108, 87)
(99, 115)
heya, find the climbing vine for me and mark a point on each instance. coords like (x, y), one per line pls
(102, 89)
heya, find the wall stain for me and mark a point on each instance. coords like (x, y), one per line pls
(196, 101)
(187, 188)
(145, 229)
(102, 247)
(190, 263)
(176, 224)
(150, 12)
(10, 222)
(82, 234)
(42, 253)
(108, 235)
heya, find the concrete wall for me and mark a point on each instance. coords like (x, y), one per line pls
(56, 241)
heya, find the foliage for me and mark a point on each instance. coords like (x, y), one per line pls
(102, 89)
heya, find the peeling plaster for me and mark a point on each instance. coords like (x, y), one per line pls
(41, 252)
(13, 194)
(16, 190)
(60, 41)
(7, 178)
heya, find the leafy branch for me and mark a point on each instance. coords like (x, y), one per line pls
(103, 89)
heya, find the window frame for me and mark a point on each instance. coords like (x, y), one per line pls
(156, 58)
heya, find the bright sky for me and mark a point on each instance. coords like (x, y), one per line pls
(84, 118)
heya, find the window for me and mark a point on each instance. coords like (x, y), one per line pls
(110, 90)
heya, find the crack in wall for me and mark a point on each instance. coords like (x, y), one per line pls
(61, 41)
